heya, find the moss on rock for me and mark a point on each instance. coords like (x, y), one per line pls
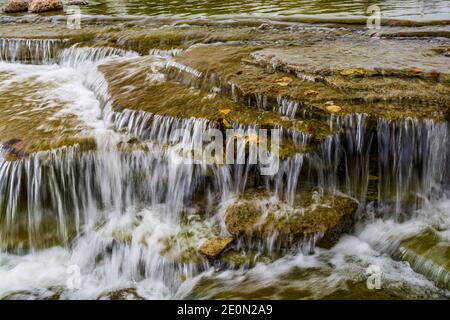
(427, 254)
(258, 216)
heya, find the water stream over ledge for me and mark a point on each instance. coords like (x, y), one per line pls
(100, 184)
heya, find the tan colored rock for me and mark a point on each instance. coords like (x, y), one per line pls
(38, 6)
(212, 248)
(12, 6)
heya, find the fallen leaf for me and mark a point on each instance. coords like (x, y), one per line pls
(415, 70)
(284, 81)
(225, 111)
(353, 71)
(334, 108)
(311, 93)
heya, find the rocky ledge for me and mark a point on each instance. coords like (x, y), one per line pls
(256, 216)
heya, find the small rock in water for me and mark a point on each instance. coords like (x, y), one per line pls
(256, 216)
(14, 148)
(38, 6)
(212, 248)
(77, 3)
(311, 93)
(12, 6)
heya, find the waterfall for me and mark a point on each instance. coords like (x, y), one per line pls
(413, 162)
(287, 107)
(33, 51)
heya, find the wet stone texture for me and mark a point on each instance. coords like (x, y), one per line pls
(212, 248)
(257, 216)
(359, 114)
(429, 254)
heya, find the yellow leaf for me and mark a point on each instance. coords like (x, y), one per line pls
(353, 71)
(225, 111)
(334, 108)
(284, 81)
(371, 177)
(226, 123)
(253, 138)
(311, 93)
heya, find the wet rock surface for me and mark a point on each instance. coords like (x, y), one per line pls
(13, 6)
(38, 6)
(14, 148)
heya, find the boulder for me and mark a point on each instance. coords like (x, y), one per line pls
(38, 6)
(12, 6)
(212, 248)
(256, 216)
(14, 149)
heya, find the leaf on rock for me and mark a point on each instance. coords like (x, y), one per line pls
(226, 123)
(311, 93)
(353, 71)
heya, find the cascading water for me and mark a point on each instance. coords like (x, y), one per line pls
(33, 51)
(129, 213)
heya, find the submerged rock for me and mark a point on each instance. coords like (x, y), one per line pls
(38, 6)
(212, 248)
(427, 254)
(256, 216)
(12, 6)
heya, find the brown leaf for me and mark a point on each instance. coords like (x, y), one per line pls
(415, 70)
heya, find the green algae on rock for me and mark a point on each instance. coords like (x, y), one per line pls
(13, 6)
